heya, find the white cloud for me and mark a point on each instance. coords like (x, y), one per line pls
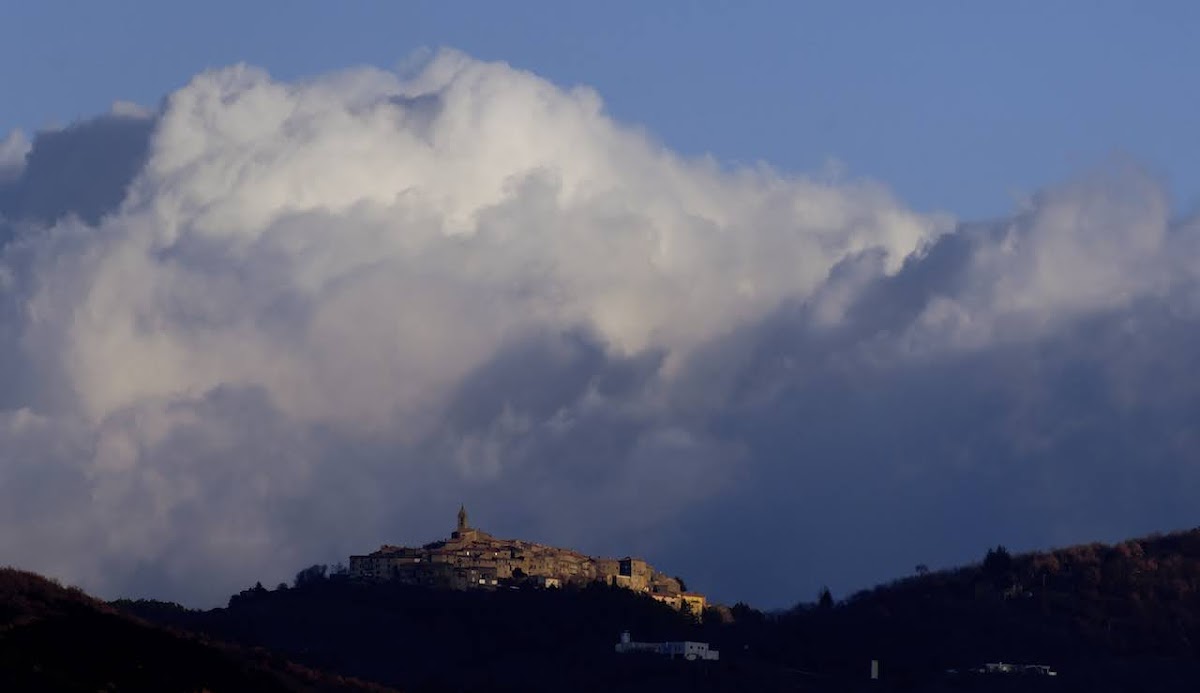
(327, 309)
(413, 225)
(13, 149)
(1095, 244)
(130, 109)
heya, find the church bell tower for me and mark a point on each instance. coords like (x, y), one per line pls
(464, 531)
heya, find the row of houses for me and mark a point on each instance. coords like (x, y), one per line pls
(472, 559)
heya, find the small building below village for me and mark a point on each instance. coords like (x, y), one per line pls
(686, 649)
(1020, 669)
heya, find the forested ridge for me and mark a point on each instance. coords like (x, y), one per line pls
(1122, 617)
(54, 638)
(1105, 617)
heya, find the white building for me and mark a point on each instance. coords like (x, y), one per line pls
(1005, 668)
(687, 649)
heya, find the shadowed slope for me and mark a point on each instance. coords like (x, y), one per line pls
(55, 638)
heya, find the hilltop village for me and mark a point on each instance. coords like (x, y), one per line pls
(474, 559)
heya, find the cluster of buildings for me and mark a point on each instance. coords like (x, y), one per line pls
(1006, 669)
(473, 559)
(1022, 669)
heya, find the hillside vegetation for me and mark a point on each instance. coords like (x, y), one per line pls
(1113, 617)
(58, 639)
(423, 639)
(1107, 618)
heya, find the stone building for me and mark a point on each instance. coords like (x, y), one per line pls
(474, 559)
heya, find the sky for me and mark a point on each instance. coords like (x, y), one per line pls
(776, 296)
(962, 107)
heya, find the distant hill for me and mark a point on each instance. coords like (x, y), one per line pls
(1107, 618)
(58, 639)
(1124, 617)
(425, 639)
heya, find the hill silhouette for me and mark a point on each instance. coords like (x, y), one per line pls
(1122, 617)
(58, 639)
(424, 639)
(1107, 618)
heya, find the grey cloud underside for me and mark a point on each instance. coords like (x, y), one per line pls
(860, 471)
(275, 324)
(83, 169)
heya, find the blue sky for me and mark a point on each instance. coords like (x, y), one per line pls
(963, 107)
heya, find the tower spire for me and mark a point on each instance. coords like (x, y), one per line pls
(462, 518)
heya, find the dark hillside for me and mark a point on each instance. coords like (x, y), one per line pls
(1107, 618)
(58, 639)
(428, 640)
(1115, 617)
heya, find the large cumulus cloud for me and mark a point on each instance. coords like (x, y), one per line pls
(274, 323)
